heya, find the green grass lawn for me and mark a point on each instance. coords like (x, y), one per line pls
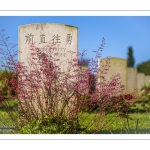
(115, 125)
(5, 120)
(109, 124)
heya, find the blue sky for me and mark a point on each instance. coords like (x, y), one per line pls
(119, 32)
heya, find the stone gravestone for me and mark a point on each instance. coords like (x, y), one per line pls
(64, 38)
(147, 79)
(118, 65)
(140, 80)
(131, 79)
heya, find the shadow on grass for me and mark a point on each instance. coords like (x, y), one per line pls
(131, 131)
(9, 105)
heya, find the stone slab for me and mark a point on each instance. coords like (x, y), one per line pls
(147, 79)
(118, 65)
(131, 79)
(140, 80)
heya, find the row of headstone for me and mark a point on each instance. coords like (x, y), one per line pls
(129, 76)
(65, 39)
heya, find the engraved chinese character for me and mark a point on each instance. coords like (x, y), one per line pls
(29, 38)
(56, 39)
(39, 55)
(69, 39)
(42, 39)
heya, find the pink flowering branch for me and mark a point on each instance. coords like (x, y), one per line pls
(43, 88)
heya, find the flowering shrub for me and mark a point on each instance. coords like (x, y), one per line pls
(44, 90)
(110, 104)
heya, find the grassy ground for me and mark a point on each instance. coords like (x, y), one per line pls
(5, 120)
(139, 122)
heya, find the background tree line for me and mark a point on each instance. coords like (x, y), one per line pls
(143, 67)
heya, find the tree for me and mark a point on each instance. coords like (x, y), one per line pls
(83, 61)
(130, 59)
(144, 67)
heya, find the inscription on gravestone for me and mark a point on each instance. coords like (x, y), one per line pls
(64, 38)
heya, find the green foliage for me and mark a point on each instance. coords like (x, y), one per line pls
(144, 67)
(5, 83)
(52, 125)
(130, 59)
(3, 86)
(145, 98)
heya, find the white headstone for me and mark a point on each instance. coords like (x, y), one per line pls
(140, 80)
(147, 79)
(131, 79)
(63, 37)
(117, 65)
